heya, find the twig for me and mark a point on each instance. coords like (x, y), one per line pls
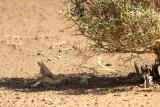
(106, 68)
(59, 57)
(65, 49)
(63, 42)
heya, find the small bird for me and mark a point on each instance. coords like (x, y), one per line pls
(46, 77)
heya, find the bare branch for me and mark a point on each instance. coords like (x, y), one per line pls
(105, 68)
(60, 43)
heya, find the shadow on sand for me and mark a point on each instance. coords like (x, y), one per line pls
(96, 85)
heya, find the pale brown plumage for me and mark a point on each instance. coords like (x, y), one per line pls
(46, 76)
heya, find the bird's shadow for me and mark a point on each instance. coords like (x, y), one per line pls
(96, 84)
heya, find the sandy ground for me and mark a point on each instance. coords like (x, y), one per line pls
(33, 30)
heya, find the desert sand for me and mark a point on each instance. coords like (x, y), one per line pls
(34, 30)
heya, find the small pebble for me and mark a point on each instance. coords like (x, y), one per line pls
(18, 97)
(146, 95)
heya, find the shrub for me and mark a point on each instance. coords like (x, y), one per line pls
(117, 25)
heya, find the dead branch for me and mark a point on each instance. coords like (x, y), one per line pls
(60, 43)
(105, 68)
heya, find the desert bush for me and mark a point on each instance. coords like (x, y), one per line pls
(116, 25)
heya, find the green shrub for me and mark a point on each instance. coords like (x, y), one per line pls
(116, 25)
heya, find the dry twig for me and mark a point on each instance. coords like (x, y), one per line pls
(60, 43)
(105, 68)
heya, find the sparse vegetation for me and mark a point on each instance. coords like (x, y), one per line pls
(117, 25)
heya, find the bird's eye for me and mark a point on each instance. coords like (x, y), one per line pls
(50, 76)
